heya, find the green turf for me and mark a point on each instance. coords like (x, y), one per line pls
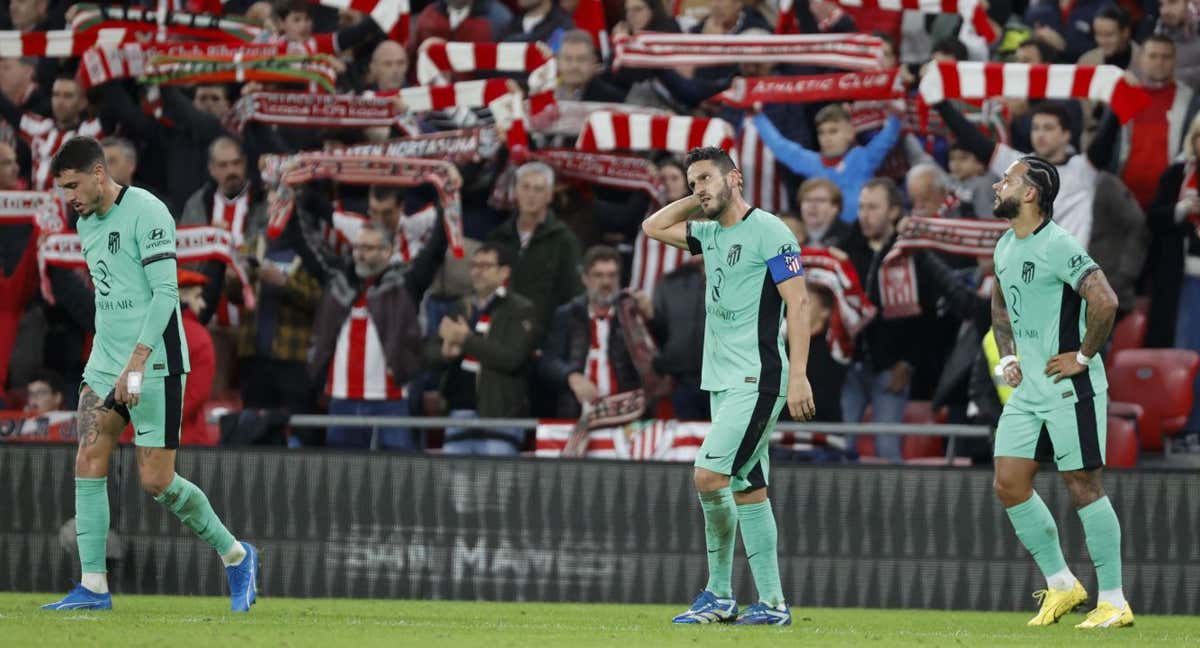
(193, 621)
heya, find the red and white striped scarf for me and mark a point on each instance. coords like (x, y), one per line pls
(286, 172)
(192, 245)
(230, 214)
(962, 236)
(226, 62)
(465, 146)
(652, 259)
(972, 80)
(607, 131)
(968, 9)
(852, 309)
(164, 21)
(438, 61)
(296, 108)
(45, 138)
(62, 43)
(589, 16)
(662, 50)
(502, 96)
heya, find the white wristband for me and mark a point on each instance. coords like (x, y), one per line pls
(134, 382)
(1082, 359)
(1004, 364)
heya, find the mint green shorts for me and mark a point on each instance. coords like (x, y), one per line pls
(736, 445)
(159, 413)
(1074, 436)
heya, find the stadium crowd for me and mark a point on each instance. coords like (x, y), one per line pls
(360, 305)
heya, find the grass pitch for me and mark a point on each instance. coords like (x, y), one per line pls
(201, 621)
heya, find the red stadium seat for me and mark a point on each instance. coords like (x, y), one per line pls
(1122, 447)
(914, 446)
(1160, 381)
(1130, 333)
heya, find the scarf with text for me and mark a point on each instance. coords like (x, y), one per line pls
(43, 209)
(852, 309)
(283, 173)
(745, 92)
(973, 80)
(605, 412)
(663, 50)
(960, 236)
(192, 245)
(438, 62)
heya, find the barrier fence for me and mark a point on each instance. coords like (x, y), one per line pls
(411, 526)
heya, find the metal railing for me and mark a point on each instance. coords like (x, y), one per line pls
(951, 431)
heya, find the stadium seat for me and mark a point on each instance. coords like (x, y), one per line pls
(1160, 381)
(1130, 333)
(1122, 446)
(914, 446)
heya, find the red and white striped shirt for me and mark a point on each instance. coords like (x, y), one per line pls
(44, 139)
(651, 260)
(359, 369)
(230, 214)
(412, 231)
(761, 182)
(599, 369)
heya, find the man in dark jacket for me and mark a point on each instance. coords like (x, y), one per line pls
(585, 357)
(486, 345)
(547, 268)
(677, 320)
(540, 20)
(885, 352)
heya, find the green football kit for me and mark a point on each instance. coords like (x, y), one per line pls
(130, 253)
(1040, 277)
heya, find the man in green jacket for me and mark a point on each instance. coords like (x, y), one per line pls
(486, 346)
(547, 268)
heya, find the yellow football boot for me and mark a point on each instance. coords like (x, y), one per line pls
(1056, 603)
(1107, 615)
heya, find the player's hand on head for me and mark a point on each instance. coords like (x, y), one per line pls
(1064, 365)
(800, 399)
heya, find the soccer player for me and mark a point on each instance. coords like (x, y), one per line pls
(752, 266)
(136, 371)
(1052, 310)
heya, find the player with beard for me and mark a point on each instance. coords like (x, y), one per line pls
(139, 360)
(1052, 310)
(754, 280)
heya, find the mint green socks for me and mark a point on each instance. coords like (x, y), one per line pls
(1036, 530)
(1103, 533)
(720, 532)
(191, 506)
(760, 537)
(91, 522)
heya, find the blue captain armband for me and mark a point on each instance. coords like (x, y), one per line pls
(785, 266)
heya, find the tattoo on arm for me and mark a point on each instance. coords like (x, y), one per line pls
(91, 409)
(1001, 323)
(1101, 311)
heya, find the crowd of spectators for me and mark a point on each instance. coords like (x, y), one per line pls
(529, 321)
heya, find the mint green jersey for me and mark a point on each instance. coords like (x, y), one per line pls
(130, 253)
(743, 347)
(1040, 275)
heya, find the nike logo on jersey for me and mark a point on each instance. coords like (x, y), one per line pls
(1061, 457)
(708, 456)
(140, 433)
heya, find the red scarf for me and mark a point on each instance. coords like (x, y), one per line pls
(438, 61)
(607, 131)
(745, 92)
(661, 50)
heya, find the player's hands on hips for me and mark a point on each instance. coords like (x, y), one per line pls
(1064, 365)
(1012, 374)
(800, 398)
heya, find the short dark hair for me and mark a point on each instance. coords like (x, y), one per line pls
(894, 197)
(51, 378)
(952, 46)
(281, 8)
(1044, 50)
(1058, 111)
(1116, 14)
(1044, 177)
(80, 154)
(1161, 39)
(505, 257)
(714, 154)
(598, 253)
(670, 160)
